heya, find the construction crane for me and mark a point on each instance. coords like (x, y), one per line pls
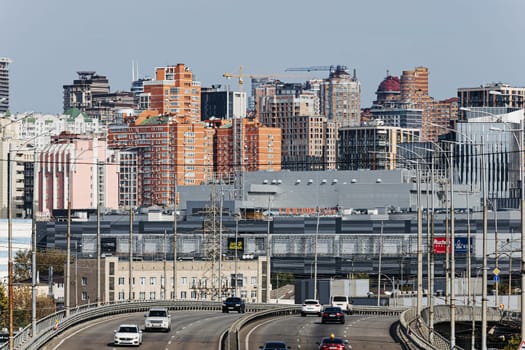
(316, 68)
(241, 77)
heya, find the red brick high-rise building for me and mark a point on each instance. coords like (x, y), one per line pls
(174, 92)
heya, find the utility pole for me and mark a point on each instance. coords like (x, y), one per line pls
(130, 273)
(10, 292)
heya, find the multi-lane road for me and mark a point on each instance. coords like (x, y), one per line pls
(202, 330)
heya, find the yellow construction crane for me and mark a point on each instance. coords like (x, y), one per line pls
(240, 76)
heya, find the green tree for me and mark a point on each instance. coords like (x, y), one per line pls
(22, 268)
(3, 306)
(51, 257)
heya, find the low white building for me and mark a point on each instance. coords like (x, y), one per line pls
(196, 280)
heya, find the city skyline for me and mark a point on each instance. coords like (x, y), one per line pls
(463, 44)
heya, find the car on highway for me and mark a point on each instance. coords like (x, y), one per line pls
(333, 314)
(233, 304)
(334, 343)
(157, 319)
(311, 307)
(127, 334)
(274, 345)
(343, 302)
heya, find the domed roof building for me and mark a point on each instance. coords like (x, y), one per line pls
(389, 90)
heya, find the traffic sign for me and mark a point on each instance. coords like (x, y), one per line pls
(496, 278)
(496, 271)
(522, 345)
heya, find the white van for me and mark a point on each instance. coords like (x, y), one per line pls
(343, 302)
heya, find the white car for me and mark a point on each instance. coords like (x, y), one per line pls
(311, 307)
(128, 334)
(157, 318)
(343, 302)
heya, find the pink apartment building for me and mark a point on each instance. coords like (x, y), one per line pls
(77, 169)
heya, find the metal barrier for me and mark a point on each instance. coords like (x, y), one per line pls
(417, 330)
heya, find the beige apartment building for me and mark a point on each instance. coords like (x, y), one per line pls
(196, 280)
(308, 139)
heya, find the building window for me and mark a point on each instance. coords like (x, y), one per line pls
(183, 295)
(254, 294)
(193, 294)
(184, 280)
(111, 268)
(142, 281)
(84, 281)
(153, 281)
(244, 294)
(121, 281)
(152, 295)
(254, 280)
(84, 296)
(121, 296)
(142, 295)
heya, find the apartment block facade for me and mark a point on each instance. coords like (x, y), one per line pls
(169, 150)
(340, 98)
(487, 99)
(308, 138)
(245, 144)
(173, 92)
(372, 147)
(77, 171)
(4, 84)
(153, 280)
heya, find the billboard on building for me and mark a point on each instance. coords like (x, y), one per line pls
(236, 244)
(108, 245)
(460, 244)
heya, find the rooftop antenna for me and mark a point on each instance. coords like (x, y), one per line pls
(387, 73)
(133, 71)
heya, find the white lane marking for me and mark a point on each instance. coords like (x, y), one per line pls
(78, 331)
(246, 341)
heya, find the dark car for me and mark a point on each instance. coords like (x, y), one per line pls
(274, 345)
(234, 304)
(333, 314)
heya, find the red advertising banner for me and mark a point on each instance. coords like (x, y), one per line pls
(440, 245)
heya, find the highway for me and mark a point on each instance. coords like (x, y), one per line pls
(202, 329)
(362, 332)
(195, 329)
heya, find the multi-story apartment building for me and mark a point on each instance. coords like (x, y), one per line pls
(414, 84)
(76, 171)
(90, 94)
(373, 146)
(405, 102)
(222, 104)
(153, 280)
(245, 145)
(169, 150)
(81, 93)
(340, 98)
(308, 138)
(4, 84)
(487, 99)
(173, 92)
(25, 135)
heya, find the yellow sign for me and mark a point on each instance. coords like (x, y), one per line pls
(496, 271)
(237, 246)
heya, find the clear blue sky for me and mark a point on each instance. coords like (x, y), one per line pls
(462, 42)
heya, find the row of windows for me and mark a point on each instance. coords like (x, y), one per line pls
(183, 281)
(194, 295)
